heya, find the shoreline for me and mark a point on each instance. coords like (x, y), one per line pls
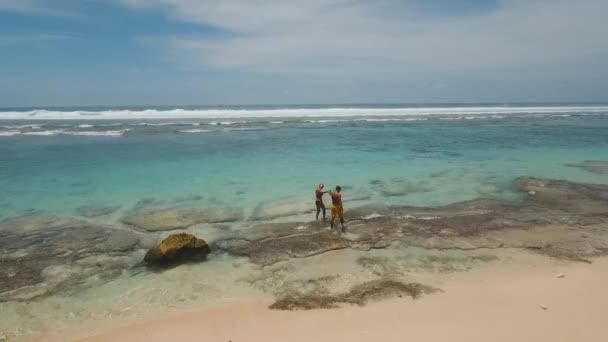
(478, 305)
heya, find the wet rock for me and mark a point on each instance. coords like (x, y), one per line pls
(19, 273)
(358, 294)
(95, 211)
(177, 248)
(270, 251)
(38, 259)
(562, 220)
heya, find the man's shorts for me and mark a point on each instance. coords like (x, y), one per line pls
(336, 210)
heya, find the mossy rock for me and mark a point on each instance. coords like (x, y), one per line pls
(177, 248)
(359, 294)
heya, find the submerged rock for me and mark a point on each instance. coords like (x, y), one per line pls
(95, 211)
(34, 223)
(177, 248)
(358, 294)
(269, 211)
(401, 188)
(566, 196)
(43, 255)
(180, 218)
(164, 219)
(595, 166)
(270, 251)
(563, 219)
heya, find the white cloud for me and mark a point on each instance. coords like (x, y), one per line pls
(386, 38)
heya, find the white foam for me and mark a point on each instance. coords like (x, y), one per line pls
(391, 120)
(372, 216)
(227, 123)
(85, 126)
(160, 123)
(97, 133)
(20, 126)
(325, 121)
(83, 133)
(243, 129)
(269, 113)
(195, 131)
(45, 133)
(9, 133)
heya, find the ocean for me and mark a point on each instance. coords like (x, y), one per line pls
(54, 162)
(253, 165)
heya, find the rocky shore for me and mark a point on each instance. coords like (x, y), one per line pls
(45, 255)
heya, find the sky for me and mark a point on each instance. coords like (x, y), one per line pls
(210, 52)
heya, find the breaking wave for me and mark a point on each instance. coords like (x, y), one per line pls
(126, 114)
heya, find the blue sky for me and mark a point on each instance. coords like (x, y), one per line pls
(130, 52)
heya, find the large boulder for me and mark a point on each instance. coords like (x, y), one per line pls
(177, 248)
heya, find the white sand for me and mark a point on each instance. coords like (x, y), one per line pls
(481, 305)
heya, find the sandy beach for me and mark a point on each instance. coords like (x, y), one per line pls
(520, 303)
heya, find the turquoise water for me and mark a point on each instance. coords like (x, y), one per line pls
(268, 162)
(398, 160)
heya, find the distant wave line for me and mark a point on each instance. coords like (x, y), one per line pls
(286, 113)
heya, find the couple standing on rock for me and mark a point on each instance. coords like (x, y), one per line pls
(336, 204)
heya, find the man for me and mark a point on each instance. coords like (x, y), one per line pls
(336, 207)
(319, 202)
